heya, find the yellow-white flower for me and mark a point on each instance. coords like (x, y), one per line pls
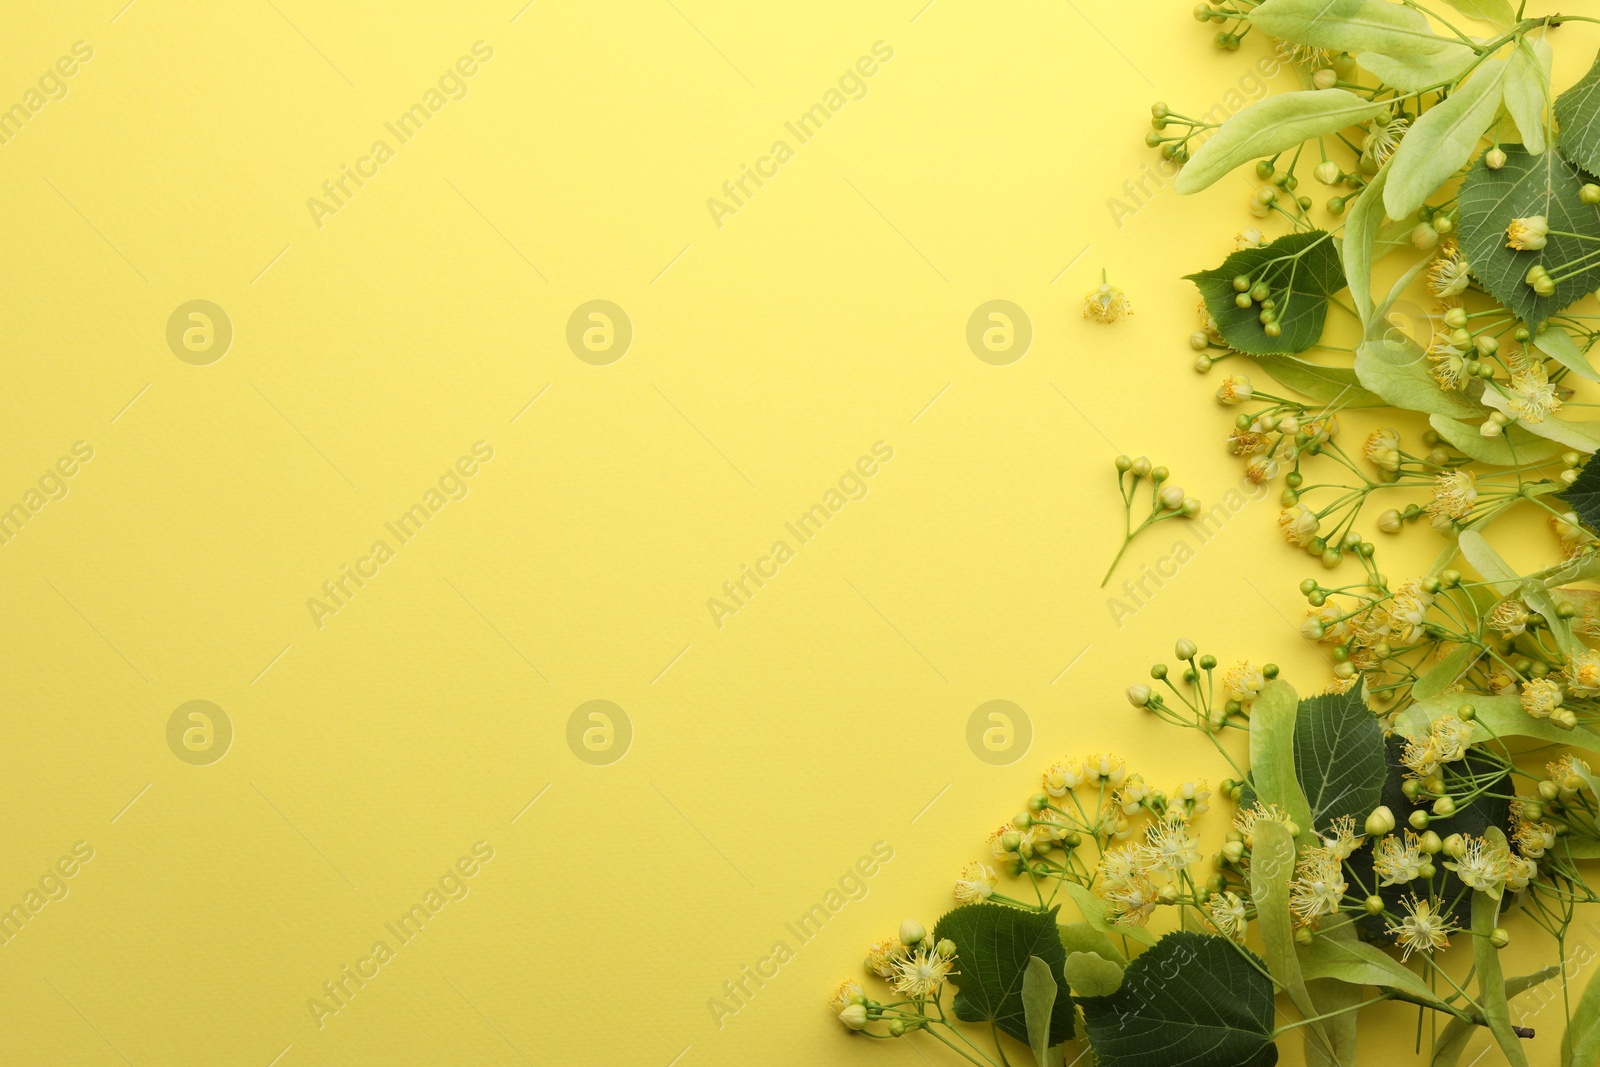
(1382, 448)
(976, 883)
(1106, 768)
(1450, 273)
(921, 973)
(1261, 470)
(848, 993)
(1383, 138)
(1532, 398)
(1063, 776)
(1454, 494)
(882, 956)
(1510, 616)
(1398, 862)
(1540, 696)
(1169, 845)
(1235, 389)
(1341, 838)
(1299, 525)
(1448, 363)
(1318, 886)
(1226, 911)
(1528, 234)
(1407, 610)
(1106, 303)
(1243, 682)
(1424, 929)
(1523, 871)
(1196, 796)
(1482, 866)
(1583, 673)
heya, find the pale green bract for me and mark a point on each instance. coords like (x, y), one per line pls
(1496, 11)
(1271, 126)
(1410, 73)
(1352, 26)
(1444, 139)
(1527, 90)
(1558, 344)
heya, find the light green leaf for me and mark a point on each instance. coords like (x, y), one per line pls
(1362, 964)
(1272, 125)
(1081, 937)
(994, 945)
(1192, 1001)
(1580, 1045)
(1038, 1002)
(1324, 384)
(1496, 11)
(1302, 270)
(1583, 436)
(1360, 233)
(1453, 1038)
(1441, 675)
(1495, 716)
(1091, 975)
(1411, 73)
(1527, 185)
(1272, 722)
(1487, 562)
(1443, 140)
(1397, 370)
(1492, 992)
(1514, 445)
(1558, 344)
(1578, 115)
(1094, 913)
(1338, 757)
(1336, 999)
(1527, 90)
(1351, 26)
(1272, 858)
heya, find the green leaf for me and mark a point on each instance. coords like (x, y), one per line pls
(1491, 980)
(1338, 757)
(1453, 1038)
(1411, 73)
(1443, 139)
(1038, 1004)
(1272, 858)
(1397, 370)
(1301, 269)
(1527, 90)
(1487, 562)
(1091, 975)
(1360, 234)
(1583, 495)
(1583, 436)
(1496, 11)
(1324, 384)
(1544, 184)
(994, 943)
(1094, 913)
(1442, 675)
(1338, 1001)
(1081, 937)
(1514, 445)
(1272, 755)
(1272, 125)
(1352, 26)
(1578, 114)
(1495, 716)
(1362, 964)
(1559, 346)
(1192, 1001)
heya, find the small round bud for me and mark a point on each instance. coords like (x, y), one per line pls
(1430, 843)
(854, 1016)
(1139, 695)
(1185, 649)
(1241, 283)
(911, 932)
(1172, 497)
(1380, 822)
(1326, 78)
(1500, 937)
(1390, 522)
(1141, 466)
(1495, 158)
(1233, 851)
(1427, 871)
(1374, 905)
(1419, 820)
(945, 948)
(1590, 193)
(1123, 463)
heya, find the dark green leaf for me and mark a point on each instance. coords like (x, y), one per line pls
(993, 944)
(1192, 1001)
(1338, 757)
(1578, 113)
(1583, 495)
(1301, 269)
(1546, 185)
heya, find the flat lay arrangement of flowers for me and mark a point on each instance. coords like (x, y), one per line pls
(1401, 344)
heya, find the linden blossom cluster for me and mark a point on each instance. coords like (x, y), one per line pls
(1166, 501)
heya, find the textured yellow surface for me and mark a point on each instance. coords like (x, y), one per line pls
(404, 341)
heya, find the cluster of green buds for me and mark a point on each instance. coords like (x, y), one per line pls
(1433, 222)
(1173, 146)
(1231, 15)
(1167, 501)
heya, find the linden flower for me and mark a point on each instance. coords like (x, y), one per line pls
(1532, 398)
(1450, 738)
(1447, 364)
(920, 974)
(1383, 138)
(1424, 929)
(1246, 442)
(1196, 796)
(1510, 616)
(1407, 610)
(883, 956)
(1342, 839)
(1261, 470)
(1397, 862)
(1454, 494)
(1382, 448)
(1171, 849)
(1482, 866)
(1533, 839)
(1540, 697)
(1318, 887)
(1131, 900)
(1245, 240)
(1299, 525)
(1421, 758)
(847, 994)
(1235, 389)
(1527, 234)
(1522, 872)
(1245, 821)
(1106, 303)
(1243, 682)
(1327, 623)
(1107, 768)
(976, 883)
(1304, 56)
(1570, 773)
(1062, 776)
(1449, 275)
(1131, 797)
(1583, 674)
(1226, 912)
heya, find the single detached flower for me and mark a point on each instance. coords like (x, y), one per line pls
(1106, 303)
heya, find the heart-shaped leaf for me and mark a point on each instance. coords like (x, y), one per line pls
(1583, 495)
(1302, 270)
(1338, 757)
(994, 943)
(1578, 113)
(1529, 185)
(1194, 1000)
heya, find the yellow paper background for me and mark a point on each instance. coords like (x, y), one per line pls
(768, 354)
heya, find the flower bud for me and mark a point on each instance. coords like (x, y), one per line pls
(897, 1027)
(911, 932)
(1389, 522)
(1185, 649)
(1430, 843)
(1380, 822)
(854, 1016)
(1374, 905)
(1327, 172)
(1444, 807)
(1139, 695)
(1172, 497)
(1500, 937)
(1326, 78)
(1495, 158)
(946, 948)
(1141, 466)
(1455, 846)
(1233, 850)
